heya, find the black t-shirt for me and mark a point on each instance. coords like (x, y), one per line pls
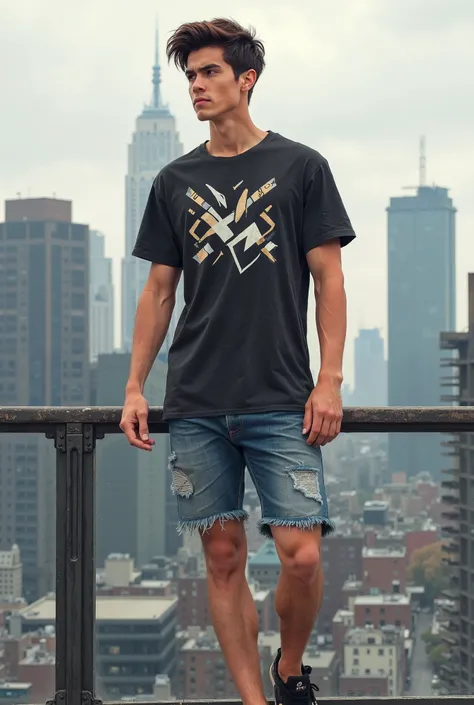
(240, 228)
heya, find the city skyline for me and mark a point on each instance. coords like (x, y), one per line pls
(372, 146)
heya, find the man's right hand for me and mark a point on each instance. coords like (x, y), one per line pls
(134, 421)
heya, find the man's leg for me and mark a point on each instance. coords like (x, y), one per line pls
(233, 611)
(299, 592)
(208, 479)
(290, 480)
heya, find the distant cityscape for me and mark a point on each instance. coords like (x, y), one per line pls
(396, 617)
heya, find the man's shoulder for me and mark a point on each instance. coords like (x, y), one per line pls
(302, 155)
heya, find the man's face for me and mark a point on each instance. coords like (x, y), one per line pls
(213, 88)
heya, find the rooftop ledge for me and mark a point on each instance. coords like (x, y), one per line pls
(435, 419)
(428, 700)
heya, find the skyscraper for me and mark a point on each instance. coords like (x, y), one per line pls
(457, 617)
(155, 143)
(370, 371)
(101, 298)
(44, 360)
(421, 304)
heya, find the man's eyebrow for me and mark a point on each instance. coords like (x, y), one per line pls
(191, 72)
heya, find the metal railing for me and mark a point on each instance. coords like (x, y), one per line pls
(75, 431)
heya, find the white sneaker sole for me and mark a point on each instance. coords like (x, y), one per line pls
(273, 681)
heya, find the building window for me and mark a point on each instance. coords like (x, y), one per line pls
(381, 652)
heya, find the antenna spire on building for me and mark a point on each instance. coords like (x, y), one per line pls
(422, 161)
(156, 103)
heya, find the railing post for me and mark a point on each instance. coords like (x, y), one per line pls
(75, 564)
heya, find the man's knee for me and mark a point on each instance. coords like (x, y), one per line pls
(300, 553)
(225, 549)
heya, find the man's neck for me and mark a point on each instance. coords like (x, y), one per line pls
(230, 137)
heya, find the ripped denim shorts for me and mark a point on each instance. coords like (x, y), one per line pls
(208, 460)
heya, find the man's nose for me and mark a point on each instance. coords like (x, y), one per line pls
(198, 85)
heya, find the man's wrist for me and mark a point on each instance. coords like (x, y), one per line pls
(134, 388)
(333, 376)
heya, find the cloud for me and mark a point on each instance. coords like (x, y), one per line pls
(359, 80)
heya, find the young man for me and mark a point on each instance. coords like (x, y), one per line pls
(248, 217)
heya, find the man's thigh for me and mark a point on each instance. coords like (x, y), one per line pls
(207, 473)
(287, 472)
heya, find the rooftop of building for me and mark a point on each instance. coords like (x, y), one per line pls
(257, 594)
(385, 552)
(346, 529)
(198, 639)
(123, 608)
(37, 655)
(6, 685)
(352, 585)
(376, 504)
(343, 616)
(374, 600)
(266, 555)
(318, 659)
(11, 558)
(365, 676)
(368, 636)
(156, 584)
(270, 640)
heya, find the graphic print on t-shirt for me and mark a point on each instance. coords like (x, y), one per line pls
(238, 243)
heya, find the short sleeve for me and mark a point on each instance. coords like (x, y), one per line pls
(156, 240)
(324, 215)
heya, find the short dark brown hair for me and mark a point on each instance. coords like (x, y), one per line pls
(241, 50)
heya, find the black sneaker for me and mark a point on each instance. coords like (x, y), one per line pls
(298, 690)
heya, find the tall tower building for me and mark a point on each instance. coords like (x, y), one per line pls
(457, 616)
(421, 304)
(44, 360)
(155, 143)
(370, 370)
(101, 298)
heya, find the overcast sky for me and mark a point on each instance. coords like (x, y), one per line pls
(358, 80)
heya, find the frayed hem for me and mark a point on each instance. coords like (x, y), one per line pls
(194, 525)
(328, 526)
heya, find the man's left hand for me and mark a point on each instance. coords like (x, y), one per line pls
(323, 413)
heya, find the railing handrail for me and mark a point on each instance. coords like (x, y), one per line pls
(358, 419)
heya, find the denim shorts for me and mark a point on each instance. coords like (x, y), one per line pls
(208, 460)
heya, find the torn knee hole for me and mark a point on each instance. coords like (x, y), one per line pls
(306, 481)
(181, 484)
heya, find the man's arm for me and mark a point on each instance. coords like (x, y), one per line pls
(154, 310)
(323, 411)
